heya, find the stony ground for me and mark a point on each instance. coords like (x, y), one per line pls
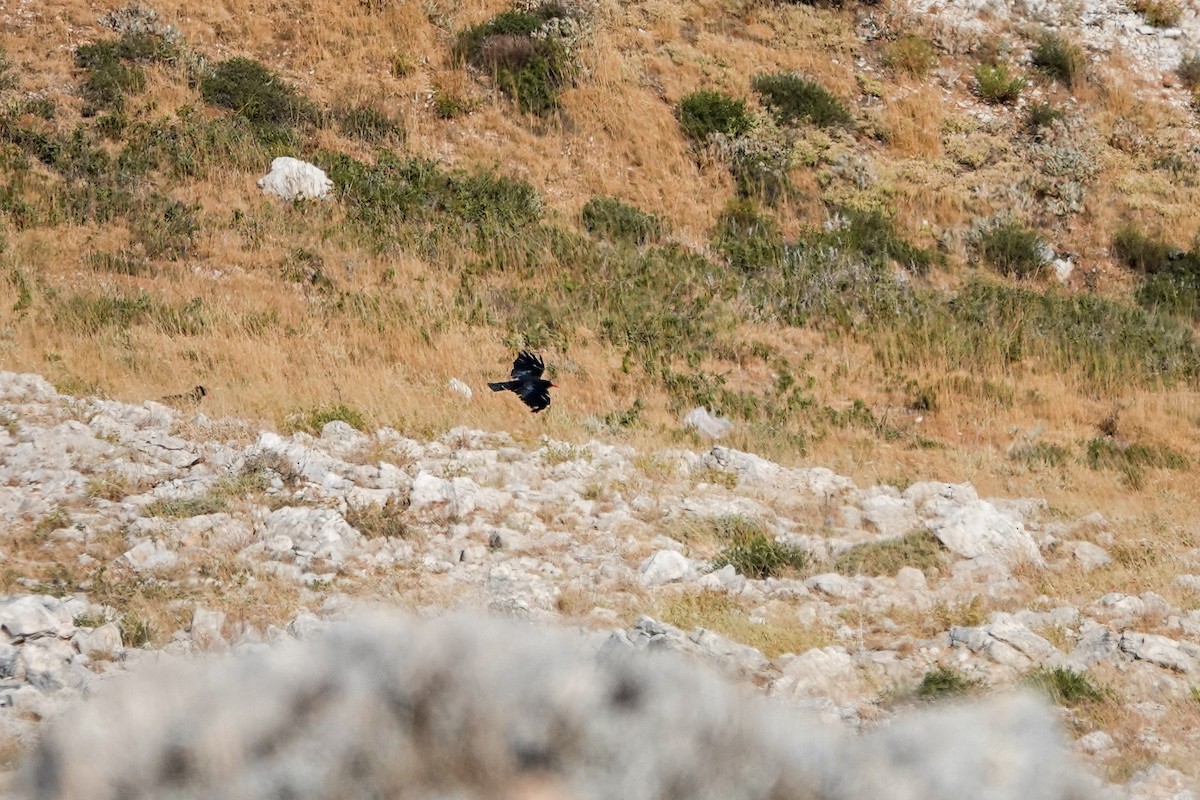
(135, 531)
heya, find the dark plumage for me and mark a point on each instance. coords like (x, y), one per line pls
(187, 398)
(527, 382)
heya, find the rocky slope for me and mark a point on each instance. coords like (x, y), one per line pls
(134, 532)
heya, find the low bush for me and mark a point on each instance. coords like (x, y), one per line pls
(752, 552)
(1146, 254)
(1012, 249)
(259, 96)
(1042, 116)
(1189, 71)
(367, 123)
(1066, 687)
(532, 70)
(706, 112)
(945, 682)
(611, 219)
(1158, 13)
(792, 98)
(1058, 58)
(995, 84)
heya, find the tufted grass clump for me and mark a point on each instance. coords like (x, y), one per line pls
(271, 106)
(365, 122)
(1189, 71)
(1041, 117)
(609, 218)
(1041, 454)
(375, 521)
(1066, 687)
(1059, 59)
(945, 682)
(531, 70)
(919, 549)
(911, 54)
(705, 112)
(1158, 13)
(182, 507)
(995, 84)
(1012, 249)
(1132, 459)
(89, 314)
(752, 552)
(313, 420)
(792, 98)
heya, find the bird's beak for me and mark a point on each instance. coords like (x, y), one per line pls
(554, 386)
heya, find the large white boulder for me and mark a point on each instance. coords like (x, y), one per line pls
(293, 179)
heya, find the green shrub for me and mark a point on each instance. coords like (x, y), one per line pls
(911, 54)
(530, 70)
(1012, 249)
(1058, 58)
(1146, 254)
(752, 552)
(944, 682)
(919, 549)
(995, 84)
(1066, 687)
(256, 94)
(611, 219)
(113, 67)
(792, 98)
(749, 240)
(705, 112)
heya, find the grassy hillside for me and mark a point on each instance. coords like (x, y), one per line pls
(832, 224)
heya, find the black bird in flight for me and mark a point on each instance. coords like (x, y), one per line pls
(527, 382)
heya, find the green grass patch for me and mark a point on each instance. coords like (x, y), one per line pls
(314, 420)
(365, 122)
(792, 98)
(1132, 460)
(1066, 687)
(609, 218)
(268, 103)
(90, 314)
(752, 552)
(705, 112)
(181, 507)
(995, 84)
(946, 682)
(1059, 59)
(1144, 253)
(919, 549)
(1012, 249)
(531, 70)
(1041, 454)
(719, 612)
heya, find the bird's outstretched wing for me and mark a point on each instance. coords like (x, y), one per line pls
(527, 367)
(535, 394)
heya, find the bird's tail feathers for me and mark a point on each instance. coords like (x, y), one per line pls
(501, 386)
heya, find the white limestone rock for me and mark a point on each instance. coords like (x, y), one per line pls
(665, 566)
(293, 179)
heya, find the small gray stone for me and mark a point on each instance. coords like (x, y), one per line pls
(664, 566)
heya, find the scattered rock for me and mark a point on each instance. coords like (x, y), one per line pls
(707, 423)
(293, 179)
(664, 566)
